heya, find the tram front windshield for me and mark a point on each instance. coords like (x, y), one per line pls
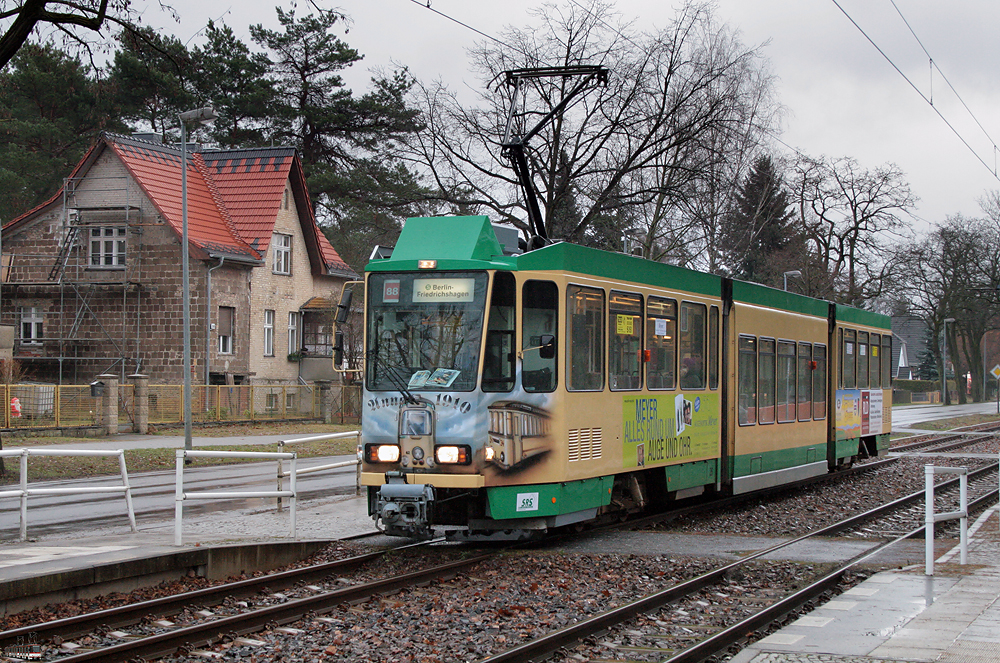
(424, 330)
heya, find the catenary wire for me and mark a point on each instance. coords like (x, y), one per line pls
(427, 5)
(916, 89)
(935, 65)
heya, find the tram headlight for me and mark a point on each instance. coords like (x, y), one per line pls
(489, 453)
(453, 455)
(382, 453)
(418, 453)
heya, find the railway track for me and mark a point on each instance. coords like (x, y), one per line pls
(648, 629)
(952, 440)
(155, 627)
(674, 622)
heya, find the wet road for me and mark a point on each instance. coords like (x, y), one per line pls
(153, 495)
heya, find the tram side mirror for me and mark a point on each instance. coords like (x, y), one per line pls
(338, 349)
(548, 348)
(344, 307)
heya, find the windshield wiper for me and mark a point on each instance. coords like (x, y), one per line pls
(390, 371)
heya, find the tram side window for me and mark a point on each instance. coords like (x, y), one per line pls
(692, 345)
(786, 381)
(805, 382)
(661, 341)
(886, 361)
(585, 338)
(862, 375)
(765, 382)
(625, 340)
(498, 360)
(539, 302)
(713, 348)
(874, 361)
(847, 358)
(748, 380)
(819, 382)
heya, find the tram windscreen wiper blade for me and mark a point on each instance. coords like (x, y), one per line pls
(390, 372)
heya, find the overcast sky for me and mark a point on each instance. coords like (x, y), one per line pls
(842, 97)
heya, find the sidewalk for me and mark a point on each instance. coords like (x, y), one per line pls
(904, 615)
(136, 441)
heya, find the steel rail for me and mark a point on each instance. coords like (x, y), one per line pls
(726, 502)
(214, 630)
(168, 605)
(572, 635)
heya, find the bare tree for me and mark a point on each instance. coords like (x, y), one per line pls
(954, 273)
(850, 216)
(622, 158)
(80, 22)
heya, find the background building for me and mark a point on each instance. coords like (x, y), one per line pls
(92, 278)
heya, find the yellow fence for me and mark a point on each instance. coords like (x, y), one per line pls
(66, 406)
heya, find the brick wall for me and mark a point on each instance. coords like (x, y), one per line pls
(283, 294)
(137, 311)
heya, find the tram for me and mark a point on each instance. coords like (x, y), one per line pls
(507, 394)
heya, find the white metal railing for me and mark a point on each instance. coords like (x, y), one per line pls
(180, 496)
(930, 517)
(321, 468)
(24, 492)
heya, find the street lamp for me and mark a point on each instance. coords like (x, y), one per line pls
(944, 363)
(794, 272)
(202, 116)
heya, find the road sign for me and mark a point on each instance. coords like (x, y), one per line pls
(996, 371)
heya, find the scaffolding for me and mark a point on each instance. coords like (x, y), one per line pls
(95, 260)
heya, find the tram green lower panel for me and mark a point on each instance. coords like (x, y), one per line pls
(882, 442)
(692, 475)
(549, 499)
(770, 461)
(846, 448)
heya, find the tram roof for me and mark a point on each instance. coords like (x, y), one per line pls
(594, 262)
(862, 317)
(762, 295)
(469, 242)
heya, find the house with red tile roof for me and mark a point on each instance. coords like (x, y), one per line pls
(92, 278)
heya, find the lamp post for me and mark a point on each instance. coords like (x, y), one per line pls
(202, 116)
(944, 363)
(794, 272)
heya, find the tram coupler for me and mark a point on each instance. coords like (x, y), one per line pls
(405, 509)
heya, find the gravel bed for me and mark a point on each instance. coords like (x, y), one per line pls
(819, 505)
(521, 596)
(167, 588)
(502, 604)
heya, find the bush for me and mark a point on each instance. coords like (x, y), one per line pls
(917, 385)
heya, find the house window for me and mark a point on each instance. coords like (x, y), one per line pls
(107, 246)
(32, 321)
(286, 197)
(317, 338)
(293, 332)
(282, 253)
(268, 333)
(226, 314)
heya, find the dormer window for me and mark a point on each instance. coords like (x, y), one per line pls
(282, 253)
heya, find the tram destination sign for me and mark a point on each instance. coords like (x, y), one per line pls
(444, 290)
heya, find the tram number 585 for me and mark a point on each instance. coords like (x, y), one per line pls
(527, 502)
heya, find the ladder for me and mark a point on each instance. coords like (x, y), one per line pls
(55, 274)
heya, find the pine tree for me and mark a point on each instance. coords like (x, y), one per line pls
(759, 237)
(51, 108)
